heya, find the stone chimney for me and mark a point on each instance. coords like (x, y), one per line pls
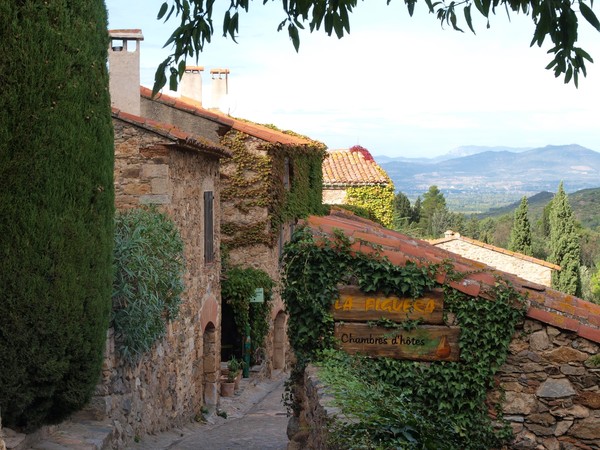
(124, 69)
(219, 88)
(190, 86)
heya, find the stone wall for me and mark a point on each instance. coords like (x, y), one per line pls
(334, 196)
(549, 383)
(551, 388)
(170, 384)
(309, 428)
(527, 270)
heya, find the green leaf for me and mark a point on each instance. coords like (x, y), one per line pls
(467, 12)
(589, 15)
(162, 11)
(293, 32)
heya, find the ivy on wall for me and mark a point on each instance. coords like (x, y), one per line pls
(254, 178)
(377, 199)
(450, 395)
(237, 289)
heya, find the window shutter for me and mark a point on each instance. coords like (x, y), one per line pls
(209, 251)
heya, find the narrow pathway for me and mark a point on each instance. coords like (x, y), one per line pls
(256, 420)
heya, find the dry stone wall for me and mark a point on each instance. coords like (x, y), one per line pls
(551, 388)
(169, 385)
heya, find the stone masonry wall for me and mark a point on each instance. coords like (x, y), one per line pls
(166, 388)
(334, 196)
(551, 389)
(549, 383)
(522, 268)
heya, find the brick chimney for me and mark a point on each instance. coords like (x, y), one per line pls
(124, 69)
(219, 88)
(190, 86)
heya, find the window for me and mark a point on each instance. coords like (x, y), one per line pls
(209, 247)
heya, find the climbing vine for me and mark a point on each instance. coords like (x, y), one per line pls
(455, 391)
(255, 178)
(377, 199)
(237, 289)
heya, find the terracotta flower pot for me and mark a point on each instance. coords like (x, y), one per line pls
(227, 389)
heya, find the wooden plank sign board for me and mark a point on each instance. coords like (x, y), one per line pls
(424, 343)
(355, 305)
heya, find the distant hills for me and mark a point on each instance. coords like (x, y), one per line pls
(474, 179)
(585, 205)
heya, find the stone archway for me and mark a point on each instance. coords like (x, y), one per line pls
(211, 365)
(279, 341)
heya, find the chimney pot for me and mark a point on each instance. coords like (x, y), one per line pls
(124, 69)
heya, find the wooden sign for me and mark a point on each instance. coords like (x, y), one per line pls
(425, 343)
(355, 305)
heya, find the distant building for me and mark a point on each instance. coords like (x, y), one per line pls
(348, 168)
(352, 177)
(526, 267)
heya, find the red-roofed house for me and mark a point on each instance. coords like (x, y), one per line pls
(346, 168)
(527, 267)
(352, 177)
(551, 371)
(158, 164)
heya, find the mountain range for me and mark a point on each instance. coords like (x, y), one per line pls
(490, 177)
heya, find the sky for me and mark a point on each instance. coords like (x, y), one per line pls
(396, 85)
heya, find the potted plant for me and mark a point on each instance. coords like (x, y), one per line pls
(235, 371)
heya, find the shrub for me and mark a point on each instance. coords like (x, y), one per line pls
(149, 267)
(56, 204)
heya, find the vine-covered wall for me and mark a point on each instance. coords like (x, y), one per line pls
(450, 395)
(256, 199)
(377, 199)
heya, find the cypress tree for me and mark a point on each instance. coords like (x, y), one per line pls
(564, 245)
(520, 235)
(56, 205)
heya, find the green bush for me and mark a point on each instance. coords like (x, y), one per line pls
(56, 205)
(149, 268)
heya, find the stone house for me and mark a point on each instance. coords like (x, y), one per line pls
(351, 177)
(524, 266)
(272, 179)
(548, 386)
(161, 165)
(158, 164)
(347, 168)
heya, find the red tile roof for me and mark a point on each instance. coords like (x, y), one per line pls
(544, 304)
(180, 137)
(457, 236)
(252, 129)
(352, 167)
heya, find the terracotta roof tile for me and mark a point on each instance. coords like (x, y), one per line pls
(545, 304)
(180, 137)
(343, 168)
(260, 131)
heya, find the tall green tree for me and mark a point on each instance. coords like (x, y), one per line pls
(402, 210)
(557, 20)
(564, 245)
(56, 205)
(520, 235)
(433, 202)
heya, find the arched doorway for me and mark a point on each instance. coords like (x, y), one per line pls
(279, 341)
(211, 365)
